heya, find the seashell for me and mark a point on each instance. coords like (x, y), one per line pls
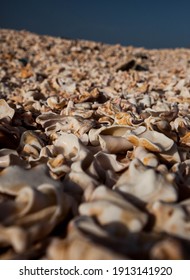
(146, 184)
(172, 155)
(63, 84)
(79, 109)
(53, 123)
(14, 236)
(31, 138)
(148, 159)
(170, 218)
(151, 140)
(54, 103)
(77, 247)
(113, 139)
(10, 157)
(58, 166)
(114, 144)
(105, 120)
(107, 109)
(36, 212)
(5, 110)
(126, 118)
(185, 140)
(110, 162)
(180, 125)
(109, 207)
(167, 249)
(146, 101)
(26, 72)
(76, 150)
(14, 178)
(80, 157)
(93, 135)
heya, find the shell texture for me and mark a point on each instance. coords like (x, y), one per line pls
(94, 150)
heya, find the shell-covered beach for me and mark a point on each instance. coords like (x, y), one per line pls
(94, 150)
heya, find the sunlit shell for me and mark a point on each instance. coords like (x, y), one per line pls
(109, 207)
(146, 184)
(147, 158)
(14, 236)
(170, 218)
(77, 247)
(186, 139)
(54, 122)
(168, 249)
(5, 110)
(113, 139)
(151, 140)
(58, 166)
(54, 103)
(126, 118)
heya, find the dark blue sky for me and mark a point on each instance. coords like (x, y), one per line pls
(148, 23)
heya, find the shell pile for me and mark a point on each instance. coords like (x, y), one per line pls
(94, 150)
